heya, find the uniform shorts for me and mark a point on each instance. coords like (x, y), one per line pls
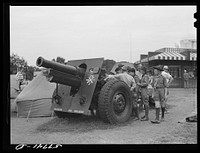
(145, 96)
(159, 95)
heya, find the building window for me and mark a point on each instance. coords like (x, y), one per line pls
(175, 71)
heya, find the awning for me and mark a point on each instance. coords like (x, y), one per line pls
(168, 56)
(193, 56)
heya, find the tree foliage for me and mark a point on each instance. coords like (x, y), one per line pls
(108, 64)
(19, 62)
(59, 59)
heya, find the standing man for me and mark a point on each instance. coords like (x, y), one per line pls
(159, 84)
(169, 79)
(138, 72)
(144, 92)
(20, 77)
(124, 76)
(186, 77)
(135, 95)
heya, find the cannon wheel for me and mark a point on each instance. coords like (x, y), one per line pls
(115, 102)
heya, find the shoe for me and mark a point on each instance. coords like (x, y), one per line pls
(144, 119)
(162, 119)
(135, 119)
(155, 121)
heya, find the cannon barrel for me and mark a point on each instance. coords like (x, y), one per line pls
(69, 69)
(63, 78)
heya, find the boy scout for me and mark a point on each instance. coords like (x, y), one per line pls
(159, 84)
(135, 95)
(144, 93)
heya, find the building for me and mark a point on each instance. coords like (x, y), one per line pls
(188, 43)
(177, 59)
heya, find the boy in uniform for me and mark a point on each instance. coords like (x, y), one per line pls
(159, 84)
(135, 94)
(144, 92)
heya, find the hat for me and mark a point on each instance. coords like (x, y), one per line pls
(166, 67)
(120, 65)
(125, 68)
(158, 67)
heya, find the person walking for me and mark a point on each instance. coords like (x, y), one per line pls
(169, 79)
(144, 92)
(186, 77)
(159, 84)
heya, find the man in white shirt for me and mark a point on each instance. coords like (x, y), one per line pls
(169, 79)
(138, 72)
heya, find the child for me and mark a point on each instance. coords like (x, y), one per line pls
(144, 93)
(159, 84)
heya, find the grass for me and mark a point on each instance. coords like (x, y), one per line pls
(76, 124)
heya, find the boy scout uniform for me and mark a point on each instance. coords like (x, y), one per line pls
(144, 82)
(159, 85)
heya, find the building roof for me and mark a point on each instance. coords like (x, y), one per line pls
(171, 54)
(168, 56)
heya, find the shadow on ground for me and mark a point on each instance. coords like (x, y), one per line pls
(77, 124)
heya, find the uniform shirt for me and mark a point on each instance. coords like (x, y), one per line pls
(136, 78)
(144, 81)
(159, 82)
(138, 74)
(128, 79)
(19, 76)
(186, 76)
(167, 76)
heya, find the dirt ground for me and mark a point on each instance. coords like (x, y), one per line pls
(91, 130)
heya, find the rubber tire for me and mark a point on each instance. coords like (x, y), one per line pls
(105, 108)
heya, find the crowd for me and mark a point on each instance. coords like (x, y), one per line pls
(145, 86)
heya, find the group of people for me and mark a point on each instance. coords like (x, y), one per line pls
(145, 85)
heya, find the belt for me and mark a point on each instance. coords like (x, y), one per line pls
(160, 87)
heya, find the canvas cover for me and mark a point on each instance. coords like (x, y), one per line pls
(35, 98)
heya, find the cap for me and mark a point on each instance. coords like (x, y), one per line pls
(125, 68)
(120, 65)
(158, 67)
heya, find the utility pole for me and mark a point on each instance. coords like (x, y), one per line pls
(130, 49)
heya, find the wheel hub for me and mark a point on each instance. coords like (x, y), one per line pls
(119, 103)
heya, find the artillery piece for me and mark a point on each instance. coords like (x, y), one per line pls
(81, 88)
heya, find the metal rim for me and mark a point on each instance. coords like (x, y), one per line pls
(119, 103)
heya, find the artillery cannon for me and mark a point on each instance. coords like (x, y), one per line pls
(81, 88)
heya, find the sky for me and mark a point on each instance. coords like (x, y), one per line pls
(120, 33)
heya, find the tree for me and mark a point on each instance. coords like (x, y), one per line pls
(108, 64)
(60, 60)
(15, 62)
